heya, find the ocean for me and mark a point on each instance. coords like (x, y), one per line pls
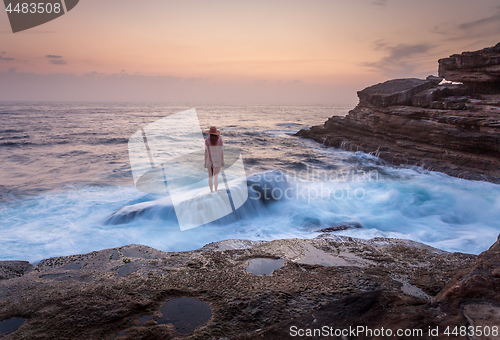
(66, 184)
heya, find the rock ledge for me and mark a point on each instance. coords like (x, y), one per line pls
(449, 127)
(330, 280)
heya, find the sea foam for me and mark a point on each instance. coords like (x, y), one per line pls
(448, 213)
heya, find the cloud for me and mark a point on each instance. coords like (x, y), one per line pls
(379, 2)
(494, 19)
(401, 59)
(2, 58)
(476, 32)
(440, 29)
(56, 59)
(58, 62)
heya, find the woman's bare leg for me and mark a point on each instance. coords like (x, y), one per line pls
(216, 177)
(210, 176)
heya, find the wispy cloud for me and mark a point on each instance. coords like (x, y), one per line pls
(56, 59)
(2, 58)
(58, 62)
(493, 19)
(476, 32)
(401, 59)
(440, 29)
(379, 2)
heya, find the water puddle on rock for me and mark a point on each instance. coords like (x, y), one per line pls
(128, 268)
(186, 314)
(145, 318)
(264, 266)
(73, 266)
(65, 277)
(10, 325)
(412, 290)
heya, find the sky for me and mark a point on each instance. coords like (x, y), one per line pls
(246, 51)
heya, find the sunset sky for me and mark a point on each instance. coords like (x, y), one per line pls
(318, 51)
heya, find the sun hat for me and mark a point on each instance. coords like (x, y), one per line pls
(213, 131)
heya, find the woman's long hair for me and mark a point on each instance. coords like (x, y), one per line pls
(214, 139)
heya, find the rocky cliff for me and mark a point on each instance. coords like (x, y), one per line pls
(453, 127)
(479, 70)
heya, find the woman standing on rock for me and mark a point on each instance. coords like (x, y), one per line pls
(214, 156)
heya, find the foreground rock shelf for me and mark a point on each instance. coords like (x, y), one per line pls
(330, 280)
(449, 127)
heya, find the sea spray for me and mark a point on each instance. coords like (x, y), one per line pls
(67, 186)
(444, 212)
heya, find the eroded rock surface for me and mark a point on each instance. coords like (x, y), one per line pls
(448, 127)
(479, 69)
(477, 282)
(10, 269)
(330, 280)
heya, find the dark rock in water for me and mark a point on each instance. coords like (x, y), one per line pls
(263, 189)
(10, 325)
(268, 187)
(449, 127)
(341, 226)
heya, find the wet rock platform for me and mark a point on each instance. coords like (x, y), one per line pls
(124, 293)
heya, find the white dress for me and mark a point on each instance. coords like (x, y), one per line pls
(216, 153)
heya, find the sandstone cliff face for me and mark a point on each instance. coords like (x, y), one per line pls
(480, 70)
(447, 127)
(476, 291)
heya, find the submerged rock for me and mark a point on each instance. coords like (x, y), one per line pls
(447, 127)
(340, 227)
